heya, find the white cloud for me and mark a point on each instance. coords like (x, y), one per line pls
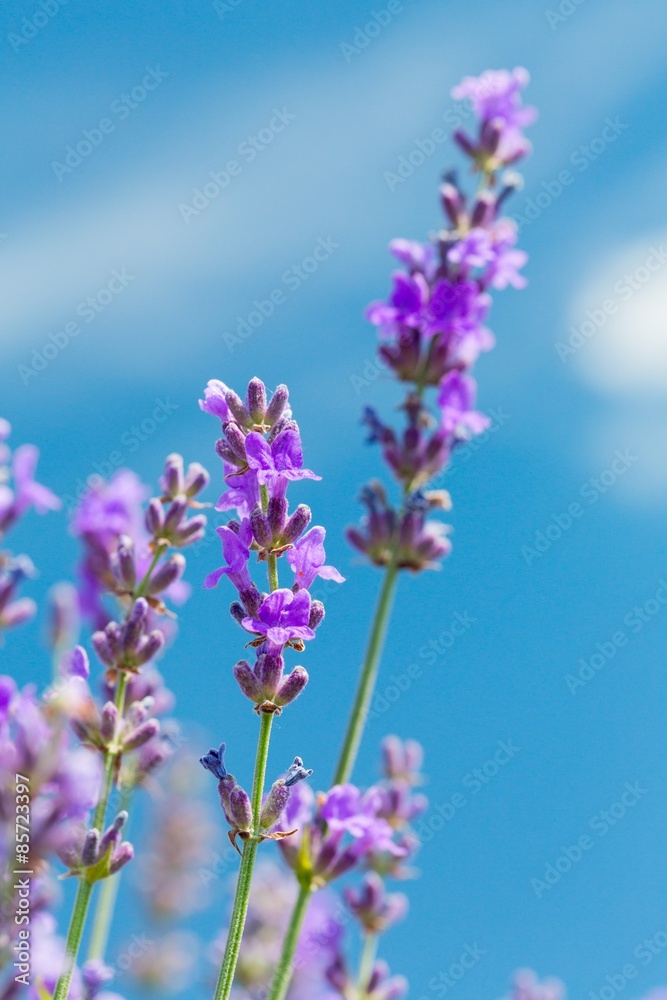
(617, 336)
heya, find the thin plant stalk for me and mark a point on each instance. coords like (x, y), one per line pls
(84, 890)
(250, 844)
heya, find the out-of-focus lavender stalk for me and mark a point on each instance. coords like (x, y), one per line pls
(138, 579)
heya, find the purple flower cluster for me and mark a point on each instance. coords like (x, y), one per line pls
(345, 828)
(92, 854)
(432, 327)
(496, 100)
(61, 786)
(24, 493)
(64, 781)
(124, 543)
(134, 734)
(47, 952)
(262, 454)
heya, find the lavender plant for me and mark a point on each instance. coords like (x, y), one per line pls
(432, 331)
(83, 753)
(127, 554)
(262, 454)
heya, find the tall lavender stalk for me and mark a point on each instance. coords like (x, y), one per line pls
(127, 555)
(262, 455)
(432, 330)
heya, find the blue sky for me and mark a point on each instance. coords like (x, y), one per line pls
(337, 125)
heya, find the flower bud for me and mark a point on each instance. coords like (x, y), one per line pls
(277, 514)
(148, 647)
(121, 857)
(154, 518)
(237, 408)
(484, 210)
(240, 809)
(111, 836)
(91, 844)
(190, 531)
(452, 202)
(256, 400)
(246, 680)
(108, 721)
(174, 515)
(168, 573)
(172, 479)
(142, 734)
(269, 671)
(261, 529)
(126, 568)
(227, 453)
(297, 523)
(276, 801)
(196, 480)
(236, 442)
(277, 404)
(134, 625)
(101, 647)
(291, 687)
(316, 616)
(237, 611)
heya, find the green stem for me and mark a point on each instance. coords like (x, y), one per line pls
(350, 748)
(366, 686)
(367, 962)
(106, 904)
(82, 901)
(84, 891)
(283, 975)
(143, 586)
(242, 896)
(244, 881)
(74, 935)
(273, 572)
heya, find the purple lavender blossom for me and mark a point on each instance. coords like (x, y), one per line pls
(243, 492)
(282, 459)
(214, 400)
(347, 809)
(64, 781)
(373, 906)
(344, 829)
(282, 618)
(30, 493)
(307, 560)
(27, 491)
(111, 508)
(456, 399)
(432, 328)
(236, 551)
(496, 100)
